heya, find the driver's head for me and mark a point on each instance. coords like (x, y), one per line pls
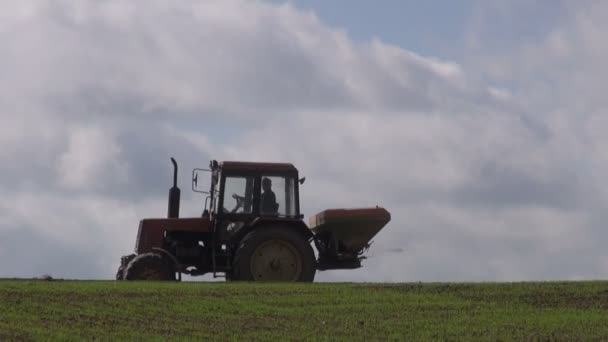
(266, 184)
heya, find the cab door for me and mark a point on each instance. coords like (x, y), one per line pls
(237, 203)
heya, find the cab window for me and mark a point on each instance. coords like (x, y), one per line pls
(238, 195)
(278, 196)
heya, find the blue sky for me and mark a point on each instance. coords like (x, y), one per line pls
(428, 27)
(440, 28)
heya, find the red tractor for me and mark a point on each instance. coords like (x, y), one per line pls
(251, 229)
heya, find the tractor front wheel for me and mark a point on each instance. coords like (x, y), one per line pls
(276, 254)
(120, 273)
(150, 266)
(124, 261)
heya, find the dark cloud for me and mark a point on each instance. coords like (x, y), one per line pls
(500, 186)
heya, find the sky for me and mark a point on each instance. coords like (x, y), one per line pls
(426, 27)
(478, 124)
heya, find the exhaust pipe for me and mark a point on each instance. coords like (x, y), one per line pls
(174, 195)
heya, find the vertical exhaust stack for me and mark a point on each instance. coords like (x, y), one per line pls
(174, 195)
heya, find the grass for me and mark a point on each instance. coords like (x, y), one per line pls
(108, 310)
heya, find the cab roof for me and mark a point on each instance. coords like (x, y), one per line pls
(237, 166)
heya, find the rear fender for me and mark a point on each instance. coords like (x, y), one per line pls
(295, 224)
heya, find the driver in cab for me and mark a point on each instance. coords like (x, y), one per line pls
(268, 201)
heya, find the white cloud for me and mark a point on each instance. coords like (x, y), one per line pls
(492, 166)
(91, 155)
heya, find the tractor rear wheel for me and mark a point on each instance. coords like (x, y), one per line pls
(275, 254)
(150, 266)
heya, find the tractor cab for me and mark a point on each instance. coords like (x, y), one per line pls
(257, 189)
(245, 194)
(246, 189)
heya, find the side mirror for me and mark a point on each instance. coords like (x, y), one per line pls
(302, 180)
(200, 181)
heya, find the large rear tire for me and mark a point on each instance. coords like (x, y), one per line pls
(277, 254)
(150, 266)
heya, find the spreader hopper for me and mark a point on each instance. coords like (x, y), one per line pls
(343, 235)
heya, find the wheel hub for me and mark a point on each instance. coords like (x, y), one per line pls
(276, 260)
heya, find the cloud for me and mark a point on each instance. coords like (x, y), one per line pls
(491, 165)
(90, 155)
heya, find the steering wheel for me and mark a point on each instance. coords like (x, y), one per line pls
(240, 202)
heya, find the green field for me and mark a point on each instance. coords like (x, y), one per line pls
(107, 310)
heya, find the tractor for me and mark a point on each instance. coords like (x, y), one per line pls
(251, 229)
